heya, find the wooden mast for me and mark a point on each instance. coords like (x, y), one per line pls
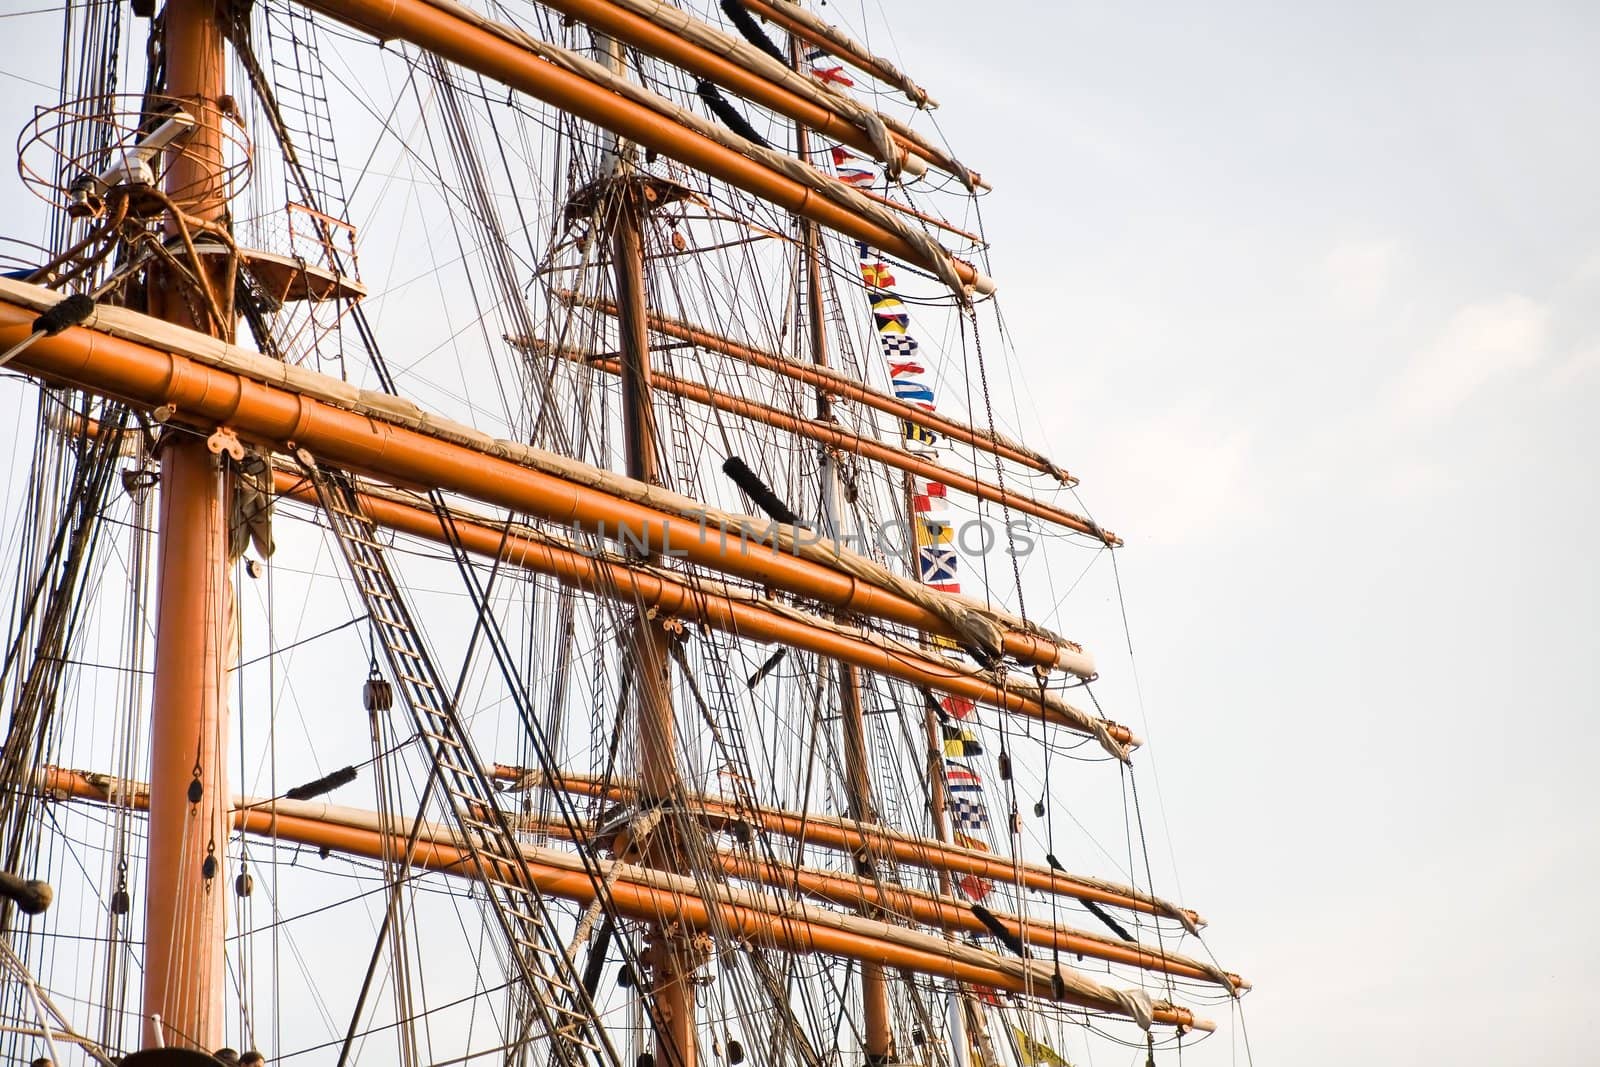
(196, 614)
(877, 1037)
(669, 956)
(933, 854)
(645, 892)
(840, 385)
(274, 405)
(499, 52)
(830, 434)
(185, 895)
(703, 601)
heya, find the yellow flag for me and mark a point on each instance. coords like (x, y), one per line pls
(1036, 1053)
(932, 532)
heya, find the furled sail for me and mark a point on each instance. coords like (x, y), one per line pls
(492, 503)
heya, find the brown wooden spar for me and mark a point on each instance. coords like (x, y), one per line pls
(703, 602)
(727, 609)
(923, 216)
(877, 1031)
(724, 609)
(705, 51)
(379, 439)
(670, 958)
(849, 837)
(846, 441)
(942, 912)
(814, 31)
(846, 387)
(949, 914)
(644, 893)
(489, 49)
(185, 898)
(818, 34)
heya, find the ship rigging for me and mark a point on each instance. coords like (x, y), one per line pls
(601, 534)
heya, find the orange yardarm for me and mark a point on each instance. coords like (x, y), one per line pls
(525, 549)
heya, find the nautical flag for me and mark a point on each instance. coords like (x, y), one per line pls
(973, 887)
(835, 75)
(898, 348)
(919, 435)
(936, 563)
(882, 301)
(960, 779)
(968, 841)
(890, 311)
(877, 275)
(841, 155)
(959, 742)
(929, 498)
(1033, 1053)
(968, 814)
(912, 390)
(960, 707)
(932, 532)
(856, 176)
(938, 568)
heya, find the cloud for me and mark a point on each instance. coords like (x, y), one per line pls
(1482, 343)
(1588, 272)
(1355, 275)
(1580, 364)
(1184, 474)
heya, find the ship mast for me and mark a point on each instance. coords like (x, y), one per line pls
(877, 1034)
(669, 829)
(670, 956)
(185, 913)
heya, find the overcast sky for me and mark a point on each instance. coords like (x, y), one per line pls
(1308, 301)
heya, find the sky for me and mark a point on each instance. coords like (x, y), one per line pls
(1306, 297)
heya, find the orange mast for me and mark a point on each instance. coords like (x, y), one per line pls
(703, 602)
(846, 836)
(750, 617)
(379, 438)
(877, 1038)
(942, 912)
(670, 957)
(818, 34)
(489, 48)
(724, 70)
(646, 893)
(835, 436)
(842, 385)
(185, 914)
